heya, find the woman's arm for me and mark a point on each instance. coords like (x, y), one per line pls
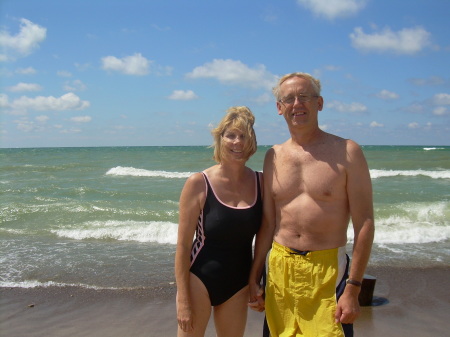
(191, 203)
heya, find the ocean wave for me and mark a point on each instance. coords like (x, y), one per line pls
(374, 173)
(444, 174)
(419, 234)
(411, 223)
(162, 232)
(433, 148)
(135, 172)
(406, 233)
(36, 284)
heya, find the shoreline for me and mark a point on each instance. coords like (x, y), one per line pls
(412, 302)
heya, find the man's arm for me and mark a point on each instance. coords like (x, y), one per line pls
(264, 237)
(359, 191)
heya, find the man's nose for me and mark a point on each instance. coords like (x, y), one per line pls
(297, 100)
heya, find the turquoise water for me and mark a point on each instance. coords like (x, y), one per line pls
(107, 217)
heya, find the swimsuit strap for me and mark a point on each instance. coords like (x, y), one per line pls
(210, 188)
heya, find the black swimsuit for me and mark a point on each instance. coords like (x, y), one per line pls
(221, 254)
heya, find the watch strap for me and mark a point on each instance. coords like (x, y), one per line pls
(354, 282)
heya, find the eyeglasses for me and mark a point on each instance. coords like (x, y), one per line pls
(301, 98)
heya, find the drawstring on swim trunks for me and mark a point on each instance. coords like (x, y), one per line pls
(299, 252)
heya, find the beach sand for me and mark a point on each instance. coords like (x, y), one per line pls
(408, 302)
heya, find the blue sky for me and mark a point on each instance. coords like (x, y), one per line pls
(162, 72)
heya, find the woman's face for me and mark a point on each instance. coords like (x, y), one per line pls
(234, 143)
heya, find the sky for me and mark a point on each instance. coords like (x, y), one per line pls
(164, 72)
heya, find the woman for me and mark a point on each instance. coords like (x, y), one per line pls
(222, 206)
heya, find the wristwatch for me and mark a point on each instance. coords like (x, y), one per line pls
(353, 282)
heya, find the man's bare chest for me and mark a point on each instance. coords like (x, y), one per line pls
(318, 179)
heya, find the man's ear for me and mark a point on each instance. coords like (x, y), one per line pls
(320, 103)
(279, 108)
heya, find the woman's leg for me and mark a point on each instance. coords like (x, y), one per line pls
(230, 317)
(201, 308)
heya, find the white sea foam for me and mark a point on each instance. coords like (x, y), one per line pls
(135, 172)
(35, 284)
(140, 231)
(417, 224)
(414, 223)
(433, 148)
(405, 232)
(444, 174)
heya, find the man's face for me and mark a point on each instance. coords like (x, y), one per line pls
(299, 104)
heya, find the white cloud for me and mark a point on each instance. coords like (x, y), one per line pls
(405, 41)
(24, 43)
(269, 17)
(129, 65)
(441, 99)
(331, 67)
(69, 101)
(26, 71)
(376, 125)
(353, 107)
(235, 73)
(75, 85)
(413, 125)
(432, 80)
(42, 118)
(25, 87)
(263, 99)
(161, 29)
(387, 95)
(183, 95)
(415, 108)
(318, 72)
(3, 101)
(72, 130)
(428, 126)
(81, 119)
(64, 73)
(82, 66)
(332, 9)
(24, 125)
(441, 111)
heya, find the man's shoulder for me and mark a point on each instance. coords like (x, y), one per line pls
(332, 138)
(339, 141)
(283, 146)
(275, 148)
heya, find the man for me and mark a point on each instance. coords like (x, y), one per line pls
(314, 184)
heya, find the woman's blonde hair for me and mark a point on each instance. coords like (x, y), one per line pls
(240, 118)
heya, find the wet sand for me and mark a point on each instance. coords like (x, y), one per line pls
(407, 302)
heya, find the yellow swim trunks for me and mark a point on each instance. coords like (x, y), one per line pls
(301, 291)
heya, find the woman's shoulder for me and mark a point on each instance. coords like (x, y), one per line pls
(211, 171)
(195, 181)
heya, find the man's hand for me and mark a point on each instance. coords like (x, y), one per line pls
(256, 301)
(348, 309)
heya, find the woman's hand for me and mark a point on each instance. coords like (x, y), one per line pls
(185, 318)
(256, 301)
